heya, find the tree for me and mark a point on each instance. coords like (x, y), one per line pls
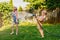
(5, 8)
(11, 3)
(20, 9)
(36, 3)
(52, 4)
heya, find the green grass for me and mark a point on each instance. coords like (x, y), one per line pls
(30, 32)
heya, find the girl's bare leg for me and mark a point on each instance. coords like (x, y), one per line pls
(40, 29)
(16, 29)
(12, 29)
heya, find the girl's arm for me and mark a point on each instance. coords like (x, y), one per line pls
(16, 15)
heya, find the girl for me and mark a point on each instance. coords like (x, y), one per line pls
(40, 20)
(15, 20)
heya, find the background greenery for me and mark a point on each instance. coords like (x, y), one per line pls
(34, 6)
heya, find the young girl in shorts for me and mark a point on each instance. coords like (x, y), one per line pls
(15, 20)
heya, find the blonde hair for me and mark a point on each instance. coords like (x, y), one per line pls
(44, 11)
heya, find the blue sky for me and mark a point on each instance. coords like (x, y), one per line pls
(17, 3)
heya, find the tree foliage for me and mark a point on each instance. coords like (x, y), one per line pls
(5, 8)
(20, 9)
(52, 4)
(11, 2)
(36, 3)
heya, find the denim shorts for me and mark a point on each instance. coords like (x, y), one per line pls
(16, 21)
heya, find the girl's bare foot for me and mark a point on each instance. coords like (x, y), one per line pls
(42, 36)
(12, 33)
(16, 33)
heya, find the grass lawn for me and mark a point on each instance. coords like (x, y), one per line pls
(30, 32)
